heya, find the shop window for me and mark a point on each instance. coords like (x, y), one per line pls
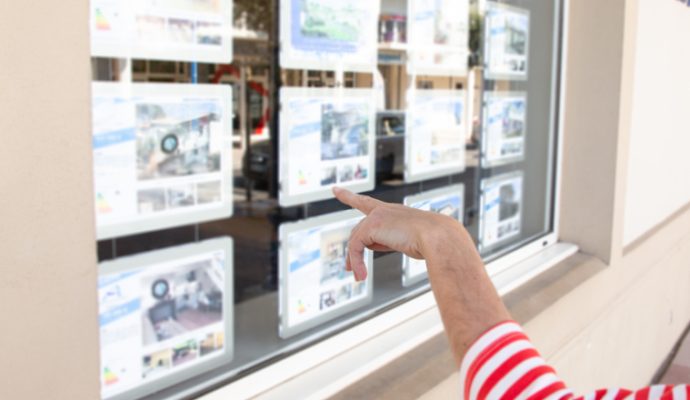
(220, 127)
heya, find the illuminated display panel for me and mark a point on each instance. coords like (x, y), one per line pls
(507, 31)
(315, 287)
(436, 125)
(505, 127)
(327, 138)
(438, 37)
(329, 34)
(162, 156)
(501, 209)
(188, 30)
(448, 201)
(164, 315)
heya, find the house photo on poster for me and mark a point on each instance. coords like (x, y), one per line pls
(315, 287)
(435, 134)
(182, 30)
(501, 209)
(329, 34)
(506, 44)
(162, 156)
(327, 138)
(448, 201)
(164, 315)
(438, 40)
(505, 128)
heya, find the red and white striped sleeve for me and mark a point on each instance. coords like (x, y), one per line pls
(503, 364)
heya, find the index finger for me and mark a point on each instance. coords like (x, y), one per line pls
(364, 204)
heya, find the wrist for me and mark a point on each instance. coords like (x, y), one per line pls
(443, 237)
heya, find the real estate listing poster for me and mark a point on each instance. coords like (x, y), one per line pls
(501, 209)
(505, 128)
(162, 155)
(315, 287)
(435, 134)
(506, 51)
(183, 30)
(164, 316)
(329, 34)
(438, 40)
(448, 201)
(327, 138)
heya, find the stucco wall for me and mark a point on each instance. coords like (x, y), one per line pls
(657, 180)
(48, 302)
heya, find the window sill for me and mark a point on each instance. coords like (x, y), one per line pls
(396, 349)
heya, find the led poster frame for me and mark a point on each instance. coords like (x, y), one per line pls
(165, 316)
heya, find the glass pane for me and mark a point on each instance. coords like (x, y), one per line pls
(215, 149)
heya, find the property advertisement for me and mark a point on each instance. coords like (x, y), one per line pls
(315, 287)
(448, 201)
(182, 30)
(505, 124)
(327, 138)
(329, 34)
(164, 316)
(438, 40)
(435, 134)
(501, 209)
(506, 42)
(162, 156)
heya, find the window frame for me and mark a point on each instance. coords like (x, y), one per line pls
(508, 271)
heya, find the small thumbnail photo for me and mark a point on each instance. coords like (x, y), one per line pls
(181, 30)
(185, 352)
(181, 196)
(151, 200)
(327, 300)
(208, 192)
(156, 363)
(151, 28)
(509, 205)
(346, 173)
(333, 253)
(329, 176)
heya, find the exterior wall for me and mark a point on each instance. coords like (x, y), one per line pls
(48, 296)
(660, 135)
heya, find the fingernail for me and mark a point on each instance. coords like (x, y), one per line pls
(336, 190)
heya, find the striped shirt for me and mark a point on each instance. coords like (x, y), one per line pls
(503, 364)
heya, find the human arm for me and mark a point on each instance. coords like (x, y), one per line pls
(495, 357)
(466, 297)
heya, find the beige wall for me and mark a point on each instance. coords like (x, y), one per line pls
(616, 328)
(658, 183)
(48, 282)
